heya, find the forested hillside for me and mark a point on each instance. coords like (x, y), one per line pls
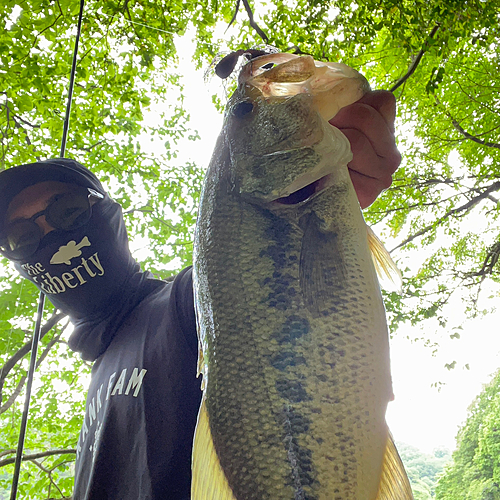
(474, 473)
(423, 469)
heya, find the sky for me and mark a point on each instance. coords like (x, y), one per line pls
(429, 417)
(430, 401)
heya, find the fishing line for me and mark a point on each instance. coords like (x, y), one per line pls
(41, 301)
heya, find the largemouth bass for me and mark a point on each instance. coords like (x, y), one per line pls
(292, 327)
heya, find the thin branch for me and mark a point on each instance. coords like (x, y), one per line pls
(416, 62)
(150, 212)
(92, 146)
(470, 136)
(464, 133)
(237, 8)
(127, 11)
(20, 385)
(33, 45)
(296, 50)
(420, 184)
(7, 452)
(34, 456)
(14, 395)
(252, 22)
(466, 207)
(474, 97)
(19, 126)
(489, 262)
(26, 122)
(417, 205)
(49, 473)
(58, 464)
(7, 367)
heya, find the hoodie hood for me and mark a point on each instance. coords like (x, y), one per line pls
(15, 179)
(88, 273)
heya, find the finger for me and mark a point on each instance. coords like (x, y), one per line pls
(370, 174)
(365, 160)
(384, 102)
(368, 121)
(367, 189)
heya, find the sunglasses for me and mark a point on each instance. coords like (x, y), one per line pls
(67, 211)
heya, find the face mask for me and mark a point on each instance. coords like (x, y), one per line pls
(84, 272)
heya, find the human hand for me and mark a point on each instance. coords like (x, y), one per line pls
(369, 126)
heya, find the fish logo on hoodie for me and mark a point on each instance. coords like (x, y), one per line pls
(69, 251)
(61, 281)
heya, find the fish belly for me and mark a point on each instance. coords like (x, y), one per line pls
(295, 347)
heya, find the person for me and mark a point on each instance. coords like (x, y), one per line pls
(66, 235)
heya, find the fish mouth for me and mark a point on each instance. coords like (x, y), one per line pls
(332, 86)
(305, 193)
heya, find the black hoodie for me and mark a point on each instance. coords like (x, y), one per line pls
(142, 403)
(140, 332)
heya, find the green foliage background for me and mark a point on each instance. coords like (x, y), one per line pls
(474, 473)
(423, 469)
(128, 67)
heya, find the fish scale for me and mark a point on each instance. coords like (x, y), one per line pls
(261, 370)
(295, 354)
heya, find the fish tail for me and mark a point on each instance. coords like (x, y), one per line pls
(394, 483)
(209, 481)
(84, 243)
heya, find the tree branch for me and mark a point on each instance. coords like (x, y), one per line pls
(17, 117)
(33, 45)
(7, 452)
(20, 385)
(466, 207)
(34, 456)
(472, 137)
(49, 473)
(14, 395)
(416, 62)
(252, 22)
(464, 133)
(150, 213)
(17, 125)
(7, 367)
(236, 9)
(489, 262)
(92, 146)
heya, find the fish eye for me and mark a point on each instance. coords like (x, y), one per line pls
(242, 109)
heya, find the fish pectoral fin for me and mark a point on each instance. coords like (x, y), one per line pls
(209, 481)
(387, 271)
(321, 265)
(394, 483)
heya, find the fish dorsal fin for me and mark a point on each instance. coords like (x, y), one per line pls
(394, 483)
(387, 271)
(209, 481)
